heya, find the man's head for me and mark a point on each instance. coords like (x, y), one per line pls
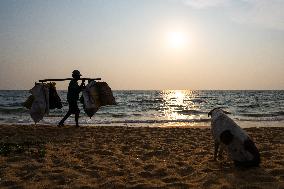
(76, 74)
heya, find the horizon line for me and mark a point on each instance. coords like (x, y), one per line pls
(165, 89)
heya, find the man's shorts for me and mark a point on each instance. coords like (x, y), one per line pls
(73, 107)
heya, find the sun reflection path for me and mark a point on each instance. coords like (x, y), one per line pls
(176, 101)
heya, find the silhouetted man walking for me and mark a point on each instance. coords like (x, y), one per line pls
(72, 97)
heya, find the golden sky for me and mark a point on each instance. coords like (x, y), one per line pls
(145, 44)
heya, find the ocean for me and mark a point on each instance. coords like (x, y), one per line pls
(159, 108)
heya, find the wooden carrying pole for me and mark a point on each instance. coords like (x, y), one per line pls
(46, 80)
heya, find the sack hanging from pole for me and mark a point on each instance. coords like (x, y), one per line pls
(91, 101)
(54, 99)
(105, 94)
(95, 95)
(40, 105)
(28, 103)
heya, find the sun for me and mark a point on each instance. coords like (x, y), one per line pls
(176, 39)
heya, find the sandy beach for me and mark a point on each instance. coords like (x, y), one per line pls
(126, 157)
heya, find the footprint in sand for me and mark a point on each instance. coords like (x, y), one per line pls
(170, 179)
(149, 167)
(160, 173)
(27, 172)
(181, 163)
(118, 172)
(139, 184)
(10, 184)
(104, 152)
(210, 182)
(185, 171)
(91, 173)
(277, 172)
(145, 174)
(57, 171)
(57, 178)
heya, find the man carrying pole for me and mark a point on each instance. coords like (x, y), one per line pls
(72, 97)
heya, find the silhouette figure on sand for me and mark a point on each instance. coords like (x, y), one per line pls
(72, 97)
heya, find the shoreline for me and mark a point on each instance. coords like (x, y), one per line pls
(242, 124)
(132, 157)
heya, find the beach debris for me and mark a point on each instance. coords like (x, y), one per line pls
(95, 95)
(40, 105)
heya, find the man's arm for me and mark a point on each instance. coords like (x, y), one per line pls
(82, 86)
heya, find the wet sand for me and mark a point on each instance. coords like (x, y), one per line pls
(125, 157)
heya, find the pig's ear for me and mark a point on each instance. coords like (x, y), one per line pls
(226, 112)
(210, 113)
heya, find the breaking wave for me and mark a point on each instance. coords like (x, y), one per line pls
(12, 110)
(273, 114)
(158, 107)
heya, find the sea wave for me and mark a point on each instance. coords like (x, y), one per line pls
(272, 114)
(249, 106)
(167, 107)
(148, 101)
(156, 121)
(191, 112)
(118, 115)
(11, 110)
(12, 104)
(261, 119)
(195, 100)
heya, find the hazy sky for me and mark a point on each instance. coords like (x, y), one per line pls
(144, 44)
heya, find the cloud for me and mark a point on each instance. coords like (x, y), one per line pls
(262, 13)
(201, 4)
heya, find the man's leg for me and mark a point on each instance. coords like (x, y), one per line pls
(77, 119)
(64, 118)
